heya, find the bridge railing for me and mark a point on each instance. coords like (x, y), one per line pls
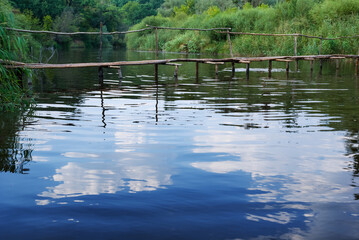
(217, 30)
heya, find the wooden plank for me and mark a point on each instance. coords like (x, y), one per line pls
(244, 61)
(173, 64)
(283, 60)
(215, 63)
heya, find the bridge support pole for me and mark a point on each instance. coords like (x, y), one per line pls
(320, 66)
(287, 68)
(337, 64)
(311, 65)
(247, 71)
(197, 71)
(233, 69)
(176, 72)
(357, 66)
(100, 75)
(120, 73)
(156, 72)
(270, 69)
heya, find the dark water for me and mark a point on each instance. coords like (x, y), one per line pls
(210, 158)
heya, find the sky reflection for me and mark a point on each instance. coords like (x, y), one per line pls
(286, 167)
(94, 178)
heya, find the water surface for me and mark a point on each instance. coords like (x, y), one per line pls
(208, 158)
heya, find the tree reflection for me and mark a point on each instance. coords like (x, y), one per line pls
(14, 155)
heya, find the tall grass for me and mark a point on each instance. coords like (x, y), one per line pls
(12, 48)
(328, 18)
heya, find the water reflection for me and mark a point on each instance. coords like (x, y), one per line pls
(199, 158)
(278, 164)
(14, 154)
(133, 174)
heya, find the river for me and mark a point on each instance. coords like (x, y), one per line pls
(207, 158)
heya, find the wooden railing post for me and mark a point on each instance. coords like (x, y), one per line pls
(296, 52)
(101, 25)
(156, 31)
(229, 42)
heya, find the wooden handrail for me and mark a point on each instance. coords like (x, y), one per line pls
(190, 29)
(76, 33)
(149, 27)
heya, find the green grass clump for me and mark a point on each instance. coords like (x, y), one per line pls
(12, 48)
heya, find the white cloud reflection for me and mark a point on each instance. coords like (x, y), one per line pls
(125, 169)
(287, 167)
(80, 179)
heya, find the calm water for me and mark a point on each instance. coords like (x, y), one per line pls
(213, 158)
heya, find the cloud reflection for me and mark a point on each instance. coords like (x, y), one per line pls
(285, 168)
(80, 179)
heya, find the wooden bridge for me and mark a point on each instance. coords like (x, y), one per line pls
(176, 63)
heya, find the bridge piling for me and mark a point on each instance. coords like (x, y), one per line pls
(100, 75)
(270, 69)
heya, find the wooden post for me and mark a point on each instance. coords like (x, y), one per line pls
(101, 25)
(29, 81)
(357, 66)
(247, 71)
(320, 46)
(216, 67)
(120, 72)
(230, 43)
(270, 69)
(156, 72)
(176, 72)
(101, 40)
(287, 68)
(337, 64)
(233, 68)
(197, 71)
(100, 75)
(321, 66)
(311, 65)
(156, 31)
(296, 52)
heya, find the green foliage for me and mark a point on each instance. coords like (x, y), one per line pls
(332, 18)
(47, 23)
(332, 10)
(12, 48)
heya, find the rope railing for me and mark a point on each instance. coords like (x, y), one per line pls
(76, 33)
(217, 30)
(188, 29)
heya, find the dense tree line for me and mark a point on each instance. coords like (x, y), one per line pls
(86, 15)
(116, 15)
